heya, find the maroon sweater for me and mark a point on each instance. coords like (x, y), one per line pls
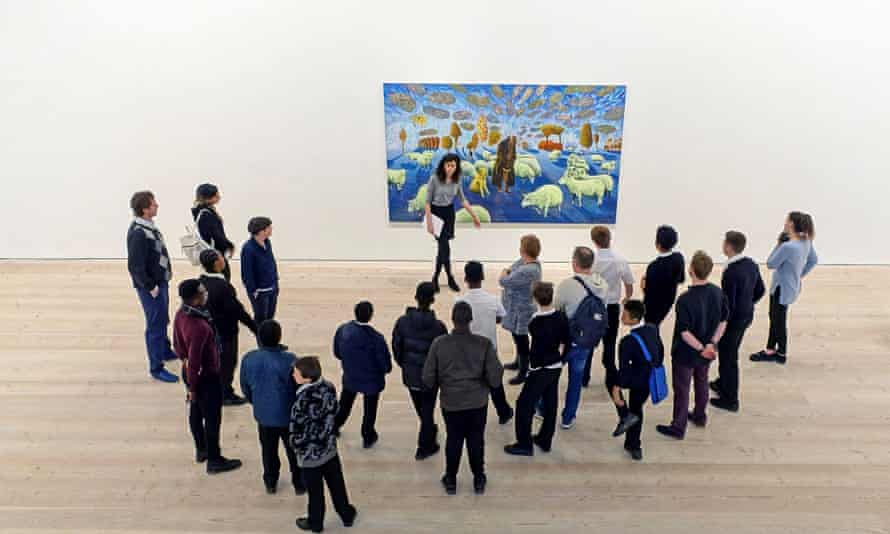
(195, 343)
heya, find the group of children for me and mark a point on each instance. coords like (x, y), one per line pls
(294, 405)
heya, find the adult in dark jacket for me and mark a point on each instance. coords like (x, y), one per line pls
(258, 269)
(194, 337)
(268, 384)
(465, 367)
(210, 224)
(227, 311)
(366, 360)
(743, 287)
(412, 337)
(149, 265)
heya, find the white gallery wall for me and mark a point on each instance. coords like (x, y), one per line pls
(737, 112)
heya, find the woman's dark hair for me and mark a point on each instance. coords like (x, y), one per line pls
(803, 224)
(440, 169)
(309, 367)
(140, 202)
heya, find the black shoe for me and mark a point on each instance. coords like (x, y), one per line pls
(669, 431)
(701, 423)
(423, 454)
(512, 366)
(299, 489)
(233, 400)
(636, 454)
(625, 423)
(780, 358)
(367, 443)
(715, 387)
(479, 483)
(452, 284)
(516, 450)
(222, 465)
(200, 456)
(537, 441)
(762, 356)
(517, 380)
(585, 384)
(504, 419)
(723, 404)
(272, 489)
(351, 521)
(303, 524)
(450, 485)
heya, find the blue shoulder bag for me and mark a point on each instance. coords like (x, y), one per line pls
(658, 388)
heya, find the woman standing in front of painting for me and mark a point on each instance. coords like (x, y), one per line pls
(443, 186)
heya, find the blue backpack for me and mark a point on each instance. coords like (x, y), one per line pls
(589, 324)
(658, 386)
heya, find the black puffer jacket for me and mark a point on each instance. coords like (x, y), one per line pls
(211, 229)
(411, 339)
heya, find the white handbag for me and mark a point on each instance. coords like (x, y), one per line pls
(192, 243)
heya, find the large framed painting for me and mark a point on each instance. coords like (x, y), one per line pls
(529, 153)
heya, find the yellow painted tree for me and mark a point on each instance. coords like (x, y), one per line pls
(494, 137)
(403, 136)
(455, 133)
(447, 143)
(482, 128)
(586, 138)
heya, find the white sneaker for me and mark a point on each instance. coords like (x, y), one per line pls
(569, 425)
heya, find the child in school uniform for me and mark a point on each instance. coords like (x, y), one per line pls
(550, 333)
(313, 439)
(633, 374)
(701, 320)
(663, 275)
(743, 287)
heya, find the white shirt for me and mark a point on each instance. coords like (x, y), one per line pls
(615, 271)
(487, 308)
(737, 257)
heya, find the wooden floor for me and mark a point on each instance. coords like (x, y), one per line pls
(89, 443)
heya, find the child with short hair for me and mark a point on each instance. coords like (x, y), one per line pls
(663, 275)
(366, 361)
(314, 441)
(633, 374)
(701, 320)
(550, 333)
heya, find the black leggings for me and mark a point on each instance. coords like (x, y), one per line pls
(443, 256)
(778, 324)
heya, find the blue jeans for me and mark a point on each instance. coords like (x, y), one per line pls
(576, 360)
(264, 305)
(157, 318)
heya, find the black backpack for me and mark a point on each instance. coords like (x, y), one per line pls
(589, 324)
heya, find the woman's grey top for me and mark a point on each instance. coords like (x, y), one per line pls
(442, 194)
(517, 295)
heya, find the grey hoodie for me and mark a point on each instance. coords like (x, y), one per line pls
(570, 293)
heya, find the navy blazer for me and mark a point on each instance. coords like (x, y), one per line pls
(365, 357)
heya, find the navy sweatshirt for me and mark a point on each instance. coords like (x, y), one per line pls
(700, 311)
(663, 276)
(743, 287)
(210, 228)
(633, 368)
(258, 268)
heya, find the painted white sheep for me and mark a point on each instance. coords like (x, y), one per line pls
(544, 198)
(462, 217)
(396, 177)
(583, 188)
(531, 161)
(418, 203)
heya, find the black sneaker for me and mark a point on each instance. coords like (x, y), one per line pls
(517, 380)
(233, 400)
(200, 456)
(512, 366)
(299, 489)
(636, 454)
(303, 524)
(222, 465)
(369, 442)
(479, 483)
(715, 387)
(669, 431)
(762, 356)
(723, 404)
(537, 441)
(351, 521)
(780, 358)
(450, 485)
(504, 419)
(452, 285)
(701, 423)
(423, 454)
(271, 489)
(626, 422)
(516, 450)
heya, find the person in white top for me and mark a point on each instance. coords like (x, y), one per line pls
(488, 312)
(616, 272)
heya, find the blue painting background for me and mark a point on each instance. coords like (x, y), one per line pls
(510, 110)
